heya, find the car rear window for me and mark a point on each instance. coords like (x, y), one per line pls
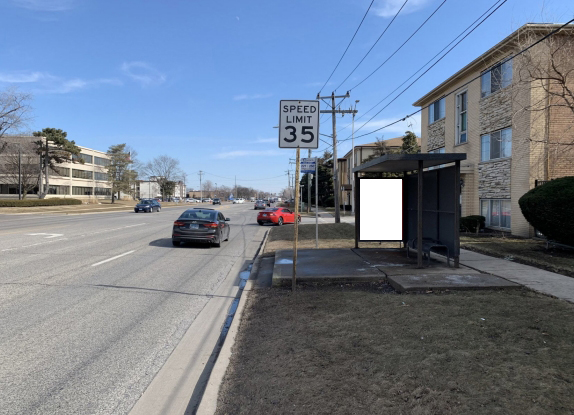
(145, 201)
(271, 210)
(199, 215)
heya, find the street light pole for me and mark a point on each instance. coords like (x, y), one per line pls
(353, 161)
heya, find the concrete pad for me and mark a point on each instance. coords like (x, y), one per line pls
(395, 262)
(462, 281)
(323, 265)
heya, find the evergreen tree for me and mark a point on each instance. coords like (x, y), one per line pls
(410, 145)
(53, 148)
(120, 175)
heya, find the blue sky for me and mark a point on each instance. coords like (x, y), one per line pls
(201, 81)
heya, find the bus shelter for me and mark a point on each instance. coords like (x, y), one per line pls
(419, 203)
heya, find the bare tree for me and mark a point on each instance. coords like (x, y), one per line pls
(164, 170)
(207, 186)
(14, 112)
(20, 165)
(543, 93)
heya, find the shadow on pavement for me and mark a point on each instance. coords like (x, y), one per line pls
(166, 243)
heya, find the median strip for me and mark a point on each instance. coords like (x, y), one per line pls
(112, 258)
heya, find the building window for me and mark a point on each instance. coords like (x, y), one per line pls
(103, 191)
(461, 118)
(436, 110)
(86, 157)
(82, 191)
(496, 145)
(82, 174)
(497, 77)
(496, 212)
(61, 171)
(101, 176)
(58, 190)
(101, 161)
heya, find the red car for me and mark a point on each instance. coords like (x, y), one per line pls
(277, 216)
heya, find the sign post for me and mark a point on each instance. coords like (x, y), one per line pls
(309, 166)
(298, 128)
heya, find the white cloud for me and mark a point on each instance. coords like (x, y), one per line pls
(412, 123)
(388, 8)
(254, 96)
(247, 153)
(45, 5)
(43, 82)
(143, 73)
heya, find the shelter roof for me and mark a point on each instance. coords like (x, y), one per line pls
(396, 163)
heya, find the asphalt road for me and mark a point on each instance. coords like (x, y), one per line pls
(92, 306)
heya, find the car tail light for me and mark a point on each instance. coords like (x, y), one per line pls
(178, 223)
(210, 225)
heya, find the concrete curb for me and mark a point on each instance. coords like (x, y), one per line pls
(208, 404)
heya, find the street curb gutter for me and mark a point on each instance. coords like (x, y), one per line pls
(208, 404)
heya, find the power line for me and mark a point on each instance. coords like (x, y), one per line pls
(374, 44)
(422, 67)
(478, 76)
(400, 47)
(353, 38)
(428, 69)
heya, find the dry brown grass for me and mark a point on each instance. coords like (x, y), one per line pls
(525, 251)
(364, 350)
(331, 235)
(101, 206)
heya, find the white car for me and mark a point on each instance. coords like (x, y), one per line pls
(239, 200)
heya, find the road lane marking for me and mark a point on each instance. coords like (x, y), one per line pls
(50, 235)
(40, 243)
(112, 258)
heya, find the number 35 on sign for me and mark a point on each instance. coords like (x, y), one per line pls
(299, 124)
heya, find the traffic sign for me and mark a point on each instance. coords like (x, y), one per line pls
(308, 165)
(299, 124)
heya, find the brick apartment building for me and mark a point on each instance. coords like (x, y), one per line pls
(513, 120)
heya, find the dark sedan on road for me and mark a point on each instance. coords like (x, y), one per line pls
(200, 225)
(147, 205)
(260, 204)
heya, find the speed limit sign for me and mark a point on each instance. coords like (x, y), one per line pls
(299, 124)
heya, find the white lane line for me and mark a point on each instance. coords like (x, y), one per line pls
(40, 243)
(112, 258)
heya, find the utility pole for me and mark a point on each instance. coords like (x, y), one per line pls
(19, 172)
(352, 176)
(200, 188)
(236, 186)
(333, 111)
(288, 183)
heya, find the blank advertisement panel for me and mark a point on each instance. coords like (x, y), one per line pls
(381, 204)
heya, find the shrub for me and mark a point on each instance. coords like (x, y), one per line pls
(329, 202)
(550, 209)
(472, 223)
(38, 202)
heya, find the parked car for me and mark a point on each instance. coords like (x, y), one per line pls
(147, 205)
(176, 200)
(239, 200)
(260, 204)
(276, 216)
(207, 200)
(200, 225)
(217, 201)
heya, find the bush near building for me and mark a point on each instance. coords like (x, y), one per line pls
(549, 209)
(472, 223)
(39, 202)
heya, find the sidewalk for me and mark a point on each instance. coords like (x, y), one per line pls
(537, 279)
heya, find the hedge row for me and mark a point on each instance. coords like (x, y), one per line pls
(38, 202)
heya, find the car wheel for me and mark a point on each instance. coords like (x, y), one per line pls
(158, 209)
(260, 223)
(280, 222)
(299, 219)
(175, 243)
(228, 232)
(218, 243)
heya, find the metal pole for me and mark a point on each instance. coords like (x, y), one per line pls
(19, 173)
(335, 169)
(296, 220)
(309, 181)
(457, 214)
(316, 203)
(420, 216)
